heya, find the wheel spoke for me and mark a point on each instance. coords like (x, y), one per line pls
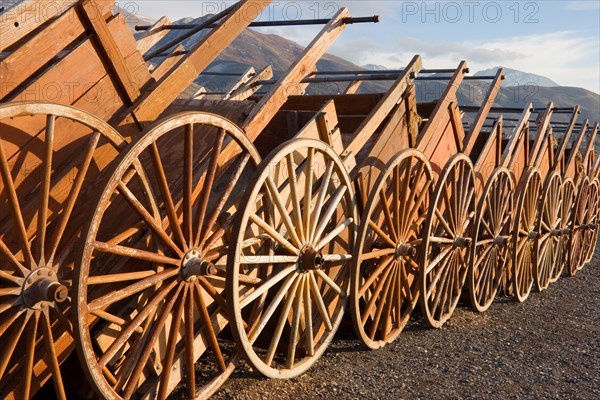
(156, 226)
(274, 234)
(293, 340)
(297, 212)
(12, 259)
(381, 233)
(331, 283)
(308, 185)
(45, 186)
(333, 205)
(113, 297)
(171, 345)
(316, 294)
(334, 233)
(15, 208)
(308, 321)
(163, 184)
(283, 317)
(211, 173)
(126, 333)
(188, 176)
(136, 254)
(387, 214)
(283, 213)
(259, 291)
(291, 279)
(323, 189)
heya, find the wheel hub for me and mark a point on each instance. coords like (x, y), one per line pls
(405, 250)
(310, 259)
(42, 288)
(194, 265)
(501, 241)
(462, 242)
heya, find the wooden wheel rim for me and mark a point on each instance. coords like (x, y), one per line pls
(568, 199)
(577, 233)
(404, 222)
(34, 318)
(451, 264)
(300, 284)
(549, 250)
(189, 253)
(524, 235)
(491, 235)
(592, 212)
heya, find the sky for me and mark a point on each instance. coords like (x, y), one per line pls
(558, 39)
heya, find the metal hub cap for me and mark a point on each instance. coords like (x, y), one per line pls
(42, 288)
(310, 260)
(404, 250)
(462, 243)
(193, 265)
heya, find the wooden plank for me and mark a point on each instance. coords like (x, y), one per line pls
(569, 169)
(437, 119)
(509, 151)
(589, 150)
(27, 16)
(385, 106)
(152, 36)
(543, 122)
(356, 104)
(244, 78)
(252, 86)
(196, 61)
(24, 61)
(560, 153)
(352, 87)
(484, 111)
(268, 106)
(112, 54)
(167, 65)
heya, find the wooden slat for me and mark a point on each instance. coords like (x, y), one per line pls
(244, 79)
(268, 106)
(196, 61)
(509, 151)
(22, 63)
(484, 111)
(436, 119)
(385, 106)
(152, 36)
(543, 122)
(25, 17)
(112, 53)
(251, 87)
(570, 166)
(560, 153)
(590, 146)
(353, 87)
(167, 65)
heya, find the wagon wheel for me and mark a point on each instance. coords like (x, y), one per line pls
(491, 235)
(41, 184)
(152, 272)
(384, 273)
(288, 275)
(524, 235)
(550, 248)
(591, 234)
(578, 227)
(566, 211)
(446, 241)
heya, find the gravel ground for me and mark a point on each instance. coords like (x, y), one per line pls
(547, 347)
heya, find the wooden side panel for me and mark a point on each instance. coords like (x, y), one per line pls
(151, 37)
(25, 17)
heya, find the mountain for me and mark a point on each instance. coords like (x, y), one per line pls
(374, 67)
(519, 78)
(260, 50)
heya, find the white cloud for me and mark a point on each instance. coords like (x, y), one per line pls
(565, 57)
(583, 5)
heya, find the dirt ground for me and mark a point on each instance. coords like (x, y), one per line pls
(547, 347)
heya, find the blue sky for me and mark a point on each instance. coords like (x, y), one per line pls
(557, 39)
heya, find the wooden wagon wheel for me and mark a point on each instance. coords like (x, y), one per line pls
(525, 235)
(491, 235)
(549, 251)
(385, 270)
(578, 228)
(41, 185)
(591, 234)
(566, 212)
(447, 240)
(288, 275)
(149, 302)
